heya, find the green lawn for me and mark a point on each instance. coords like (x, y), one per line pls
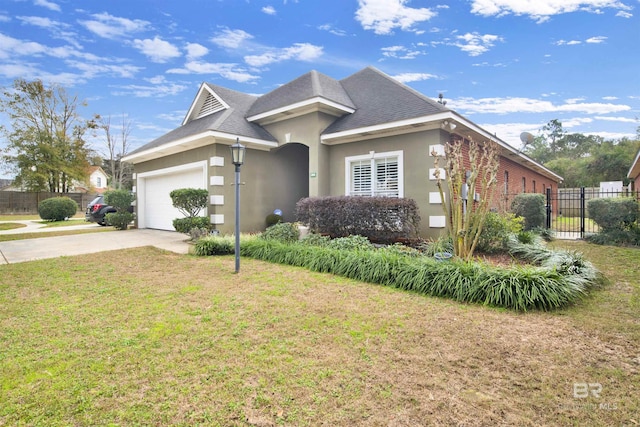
(147, 337)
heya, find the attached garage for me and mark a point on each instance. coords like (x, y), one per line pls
(155, 209)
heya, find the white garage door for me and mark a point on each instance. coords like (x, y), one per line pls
(159, 212)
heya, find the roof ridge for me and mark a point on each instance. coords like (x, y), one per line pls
(408, 88)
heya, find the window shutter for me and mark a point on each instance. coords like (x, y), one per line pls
(387, 177)
(361, 178)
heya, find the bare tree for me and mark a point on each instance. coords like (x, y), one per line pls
(117, 146)
(465, 212)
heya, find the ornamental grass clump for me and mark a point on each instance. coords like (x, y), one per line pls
(558, 281)
(555, 280)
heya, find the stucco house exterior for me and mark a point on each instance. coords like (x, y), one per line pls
(366, 134)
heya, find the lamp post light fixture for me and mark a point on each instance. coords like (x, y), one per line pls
(237, 158)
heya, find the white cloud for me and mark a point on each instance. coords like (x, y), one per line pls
(330, 28)
(226, 70)
(610, 98)
(413, 77)
(31, 72)
(617, 119)
(299, 52)
(510, 132)
(400, 52)
(39, 21)
(109, 26)
(476, 44)
(269, 10)
(196, 50)
(383, 16)
(92, 69)
(231, 39)
(48, 4)
(541, 10)
(10, 46)
(157, 49)
(154, 90)
(597, 39)
(529, 105)
(623, 14)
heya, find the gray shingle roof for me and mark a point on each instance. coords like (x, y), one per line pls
(308, 86)
(231, 120)
(376, 98)
(381, 99)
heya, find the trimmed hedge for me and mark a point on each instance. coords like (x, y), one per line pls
(185, 225)
(380, 219)
(615, 213)
(57, 208)
(530, 206)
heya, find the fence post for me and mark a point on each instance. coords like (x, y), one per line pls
(548, 224)
(582, 212)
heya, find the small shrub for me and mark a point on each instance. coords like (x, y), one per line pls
(313, 239)
(526, 237)
(57, 208)
(189, 201)
(351, 243)
(120, 199)
(530, 206)
(400, 249)
(284, 232)
(616, 213)
(119, 220)
(496, 231)
(215, 245)
(273, 219)
(185, 225)
(380, 219)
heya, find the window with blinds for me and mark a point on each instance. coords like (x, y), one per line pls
(375, 175)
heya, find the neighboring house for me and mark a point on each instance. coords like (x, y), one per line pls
(97, 182)
(364, 135)
(634, 173)
(98, 179)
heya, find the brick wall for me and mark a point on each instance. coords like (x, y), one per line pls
(510, 180)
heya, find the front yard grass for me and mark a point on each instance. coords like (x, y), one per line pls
(147, 337)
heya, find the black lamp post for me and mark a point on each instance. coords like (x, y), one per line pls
(237, 158)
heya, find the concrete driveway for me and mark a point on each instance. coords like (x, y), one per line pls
(51, 247)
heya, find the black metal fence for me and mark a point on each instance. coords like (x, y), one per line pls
(22, 202)
(568, 209)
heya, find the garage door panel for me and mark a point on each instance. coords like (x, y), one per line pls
(159, 212)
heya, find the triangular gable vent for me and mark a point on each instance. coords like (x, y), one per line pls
(211, 105)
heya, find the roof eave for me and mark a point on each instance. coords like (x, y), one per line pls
(433, 121)
(317, 103)
(196, 141)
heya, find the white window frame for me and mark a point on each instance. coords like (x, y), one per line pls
(373, 156)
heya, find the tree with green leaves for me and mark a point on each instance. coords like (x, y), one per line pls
(45, 139)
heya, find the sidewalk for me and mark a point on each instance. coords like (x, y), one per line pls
(35, 226)
(78, 244)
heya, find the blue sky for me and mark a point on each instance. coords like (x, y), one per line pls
(508, 65)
